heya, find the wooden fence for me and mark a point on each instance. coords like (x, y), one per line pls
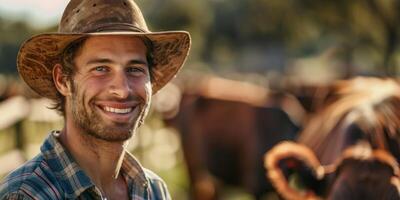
(23, 125)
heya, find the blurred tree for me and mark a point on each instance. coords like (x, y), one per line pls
(12, 34)
(261, 35)
(365, 31)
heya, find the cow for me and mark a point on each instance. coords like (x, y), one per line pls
(359, 110)
(225, 128)
(359, 173)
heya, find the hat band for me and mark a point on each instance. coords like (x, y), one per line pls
(115, 27)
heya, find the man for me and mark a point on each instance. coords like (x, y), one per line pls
(101, 70)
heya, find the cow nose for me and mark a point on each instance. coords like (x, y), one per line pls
(120, 86)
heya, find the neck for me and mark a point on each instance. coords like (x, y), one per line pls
(101, 160)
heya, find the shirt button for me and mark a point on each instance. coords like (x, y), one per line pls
(56, 133)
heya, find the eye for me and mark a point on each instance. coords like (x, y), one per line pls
(136, 71)
(100, 69)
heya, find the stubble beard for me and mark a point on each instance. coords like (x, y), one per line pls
(92, 124)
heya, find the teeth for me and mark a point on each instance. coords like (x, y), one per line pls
(116, 110)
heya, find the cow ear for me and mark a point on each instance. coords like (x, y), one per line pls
(294, 171)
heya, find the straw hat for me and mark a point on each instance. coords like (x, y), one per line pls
(82, 18)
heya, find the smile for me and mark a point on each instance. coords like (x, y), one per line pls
(121, 112)
(117, 110)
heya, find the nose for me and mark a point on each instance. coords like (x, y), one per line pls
(120, 86)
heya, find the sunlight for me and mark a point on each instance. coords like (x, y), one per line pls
(38, 13)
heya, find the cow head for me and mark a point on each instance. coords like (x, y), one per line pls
(359, 173)
(358, 109)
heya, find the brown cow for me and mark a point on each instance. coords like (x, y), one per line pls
(226, 126)
(360, 173)
(361, 109)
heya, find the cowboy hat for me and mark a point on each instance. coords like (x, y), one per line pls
(82, 18)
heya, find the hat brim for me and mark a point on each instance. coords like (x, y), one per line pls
(38, 55)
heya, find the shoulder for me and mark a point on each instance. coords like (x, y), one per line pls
(32, 180)
(157, 185)
(15, 181)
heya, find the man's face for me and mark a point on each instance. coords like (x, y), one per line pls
(111, 89)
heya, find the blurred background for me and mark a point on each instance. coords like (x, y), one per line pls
(245, 55)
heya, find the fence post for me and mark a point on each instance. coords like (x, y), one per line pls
(19, 136)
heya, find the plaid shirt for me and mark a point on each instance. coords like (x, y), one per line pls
(54, 174)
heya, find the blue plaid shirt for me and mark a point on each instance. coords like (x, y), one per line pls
(53, 174)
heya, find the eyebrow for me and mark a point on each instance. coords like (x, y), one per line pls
(108, 61)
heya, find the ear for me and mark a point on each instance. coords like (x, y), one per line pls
(60, 81)
(294, 171)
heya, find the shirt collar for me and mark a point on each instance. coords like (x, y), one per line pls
(132, 169)
(73, 179)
